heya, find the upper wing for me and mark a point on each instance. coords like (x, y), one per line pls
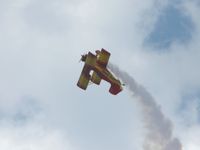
(84, 78)
(103, 57)
(85, 74)
(90, 60)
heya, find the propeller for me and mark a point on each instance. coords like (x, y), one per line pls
(80, 58)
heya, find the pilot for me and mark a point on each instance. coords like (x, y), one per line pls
(98, 52)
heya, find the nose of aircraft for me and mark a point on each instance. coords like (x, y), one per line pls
(83, 57)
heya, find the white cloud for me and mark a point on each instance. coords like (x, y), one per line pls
(41, 42)
(25, 128)
(190, 138)
(32, 136)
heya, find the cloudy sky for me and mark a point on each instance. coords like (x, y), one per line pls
(41, 41)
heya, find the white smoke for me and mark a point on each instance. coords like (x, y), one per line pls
(159, 128)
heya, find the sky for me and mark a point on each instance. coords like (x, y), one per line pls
(156, 42)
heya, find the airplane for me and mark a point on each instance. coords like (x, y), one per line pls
(95, 69)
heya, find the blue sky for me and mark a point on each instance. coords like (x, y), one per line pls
(156, 42)
(172, 25)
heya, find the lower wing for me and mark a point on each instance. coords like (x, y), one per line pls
(84, 78)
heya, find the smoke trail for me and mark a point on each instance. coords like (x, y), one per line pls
(159, 128)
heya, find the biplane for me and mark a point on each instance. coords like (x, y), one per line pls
(95, 69)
